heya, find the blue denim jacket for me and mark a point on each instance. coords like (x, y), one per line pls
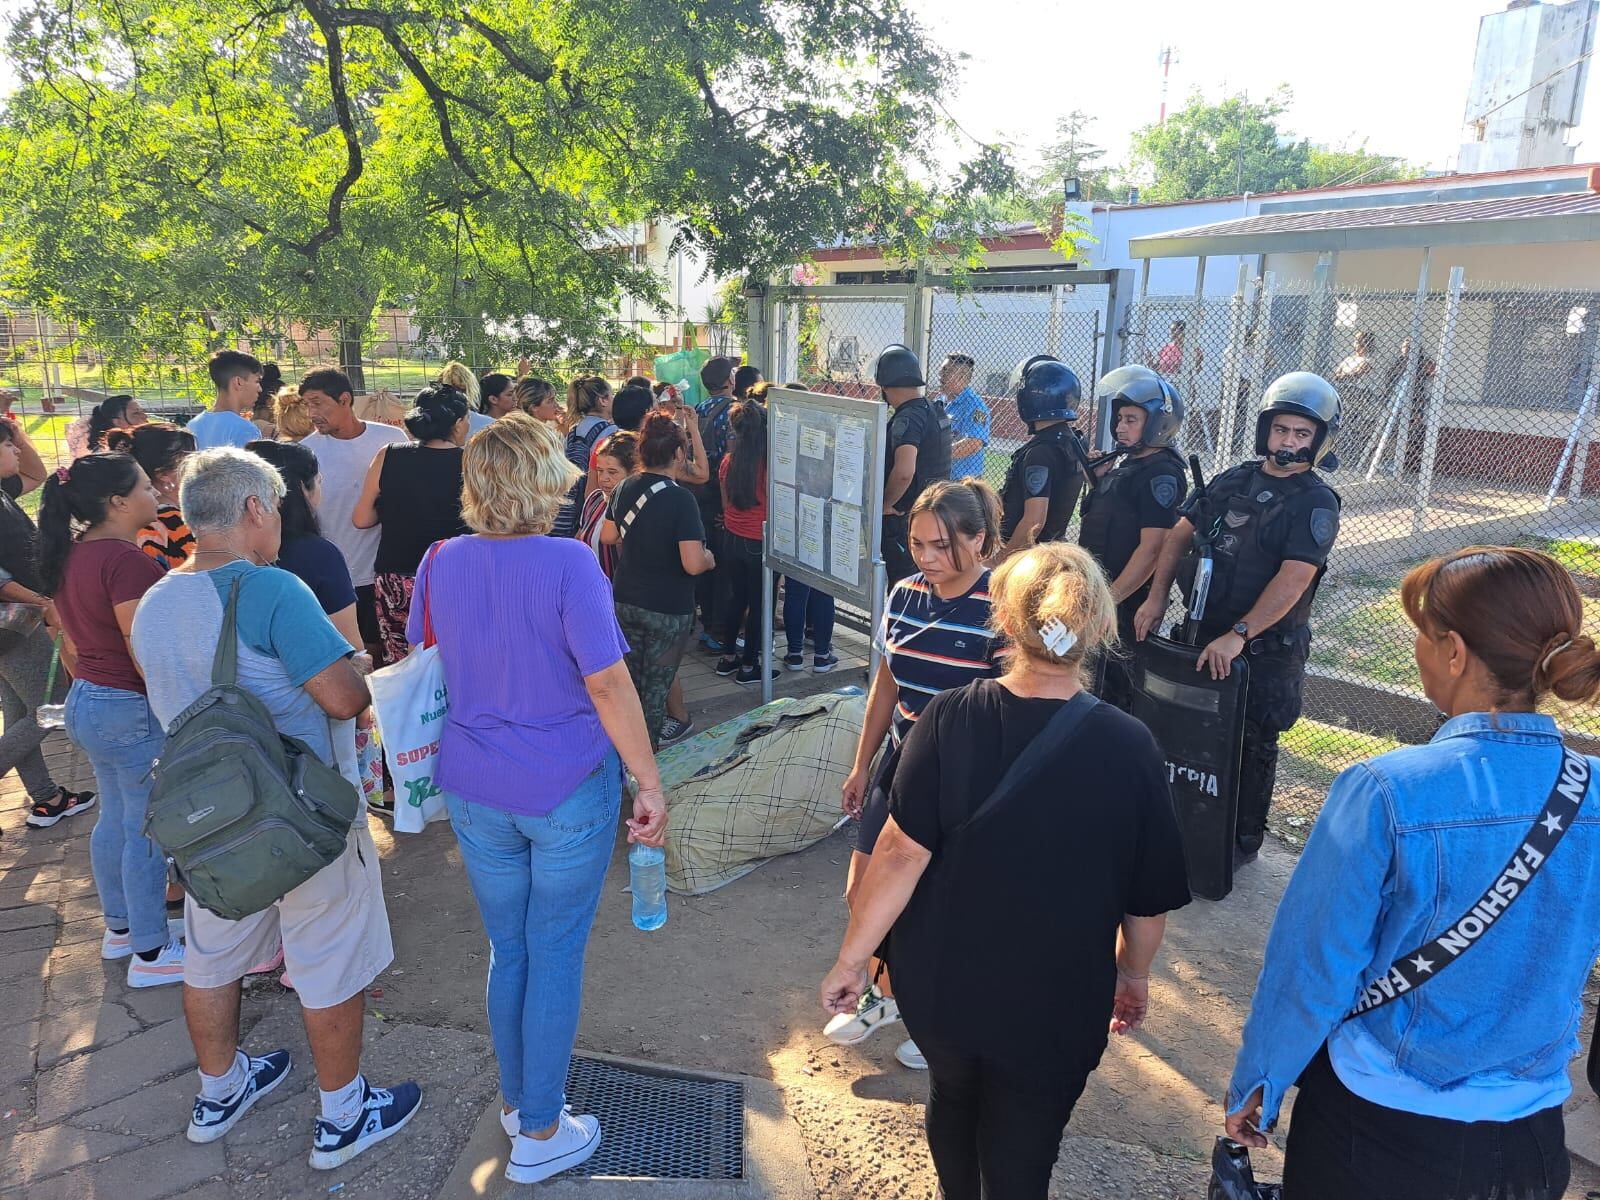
(1405, 845)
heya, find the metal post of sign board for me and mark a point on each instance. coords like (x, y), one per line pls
(1436, 395)
(766, 626)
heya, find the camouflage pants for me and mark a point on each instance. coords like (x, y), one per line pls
(656, 642)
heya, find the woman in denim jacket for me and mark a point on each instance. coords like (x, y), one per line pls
(1455, 1089)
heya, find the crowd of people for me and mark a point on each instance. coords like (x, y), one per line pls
(301, 539)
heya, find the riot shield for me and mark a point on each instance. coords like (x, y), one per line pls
(1199, 724)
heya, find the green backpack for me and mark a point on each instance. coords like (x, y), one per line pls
(243, 813)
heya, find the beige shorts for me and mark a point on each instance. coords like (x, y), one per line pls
(334, 929)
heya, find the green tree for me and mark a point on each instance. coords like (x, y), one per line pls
(320, 158)
(1072, 156)
(1238, 145)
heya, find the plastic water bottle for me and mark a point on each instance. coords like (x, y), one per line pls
(647, 877)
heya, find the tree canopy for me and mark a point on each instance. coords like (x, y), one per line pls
(1238, 145)
(311, 157)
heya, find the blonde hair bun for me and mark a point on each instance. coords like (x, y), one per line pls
(1053, 597)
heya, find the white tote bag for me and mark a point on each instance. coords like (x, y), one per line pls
(410, 702)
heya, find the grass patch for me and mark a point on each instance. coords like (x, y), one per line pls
(1310, 756)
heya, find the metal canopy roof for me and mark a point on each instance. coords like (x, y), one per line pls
(1514, 221)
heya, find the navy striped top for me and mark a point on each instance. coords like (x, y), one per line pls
(933, 645)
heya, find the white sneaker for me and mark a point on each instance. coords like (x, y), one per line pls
(114, 946)
(873, 1011)
(511, 1122)
(532, 1160)
(166, 967)
(910, 1056)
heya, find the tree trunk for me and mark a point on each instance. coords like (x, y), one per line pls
(350, 353)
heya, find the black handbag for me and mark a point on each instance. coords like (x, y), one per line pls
(1232, 1178)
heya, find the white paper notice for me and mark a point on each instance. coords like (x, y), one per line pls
(810, 548)
(844, 543)
(813, 442)
(783, 520)
(849, 461)
(785, 439)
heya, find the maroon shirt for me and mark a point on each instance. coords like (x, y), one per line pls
(100, 575)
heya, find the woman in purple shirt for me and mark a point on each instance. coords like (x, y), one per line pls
(541, 707)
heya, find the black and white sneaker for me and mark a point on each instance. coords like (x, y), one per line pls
(823, 663)
(674, 730)
(752, 675)
(213, 1118)
(384, 1113)
(727, 666)
(574, 1141)
(46, 813)
(794, 662)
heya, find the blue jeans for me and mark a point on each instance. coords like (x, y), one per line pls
(121, 737)
(537, 882)
(804, 606)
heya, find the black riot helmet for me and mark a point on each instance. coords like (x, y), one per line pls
(1141, 387)
(1305, 395)
(897, 366)
(1047, 390)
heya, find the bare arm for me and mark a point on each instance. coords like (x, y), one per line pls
(339, 690)
(1138, 939)
(881, 698)
(901, 471)
(1173, 548)
(1034, 511)
(698, 469)
(897, 864)
(1281, 594)
(124, 613)
(345, 622)
(30, 467)
(610, 535)
(616, 702)
(966, 447)
(1141, 565)
(366, 513)
(696, 559)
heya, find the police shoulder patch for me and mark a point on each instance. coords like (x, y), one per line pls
(1036, 479)
(1165, 490)
(1324, 525)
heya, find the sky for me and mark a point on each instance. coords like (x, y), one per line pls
(1391, 72)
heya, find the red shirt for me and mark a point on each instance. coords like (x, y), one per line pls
(745, 522)
(100, 575)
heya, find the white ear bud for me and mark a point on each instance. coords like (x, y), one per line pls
(1057, 638)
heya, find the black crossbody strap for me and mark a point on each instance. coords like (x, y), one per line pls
(1410, 971)
(1034, 756)
(637, 507)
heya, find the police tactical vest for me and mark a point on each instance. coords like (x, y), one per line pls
(1066, 472)
(1241, 506)
(933, 454)
(1110, 508)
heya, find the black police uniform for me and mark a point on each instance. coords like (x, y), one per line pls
(1256, 523)
(1047, 466)
(926, 426)
(1137, 494)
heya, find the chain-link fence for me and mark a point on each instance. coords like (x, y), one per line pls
(1469, 417)
(60, 369)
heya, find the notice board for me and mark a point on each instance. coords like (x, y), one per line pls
(825, 492)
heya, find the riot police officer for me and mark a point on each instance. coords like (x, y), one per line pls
(1047, 471)
(1269, 525)
(919, 451)
(1132, 504)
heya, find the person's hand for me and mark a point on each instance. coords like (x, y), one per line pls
(1219, 655)
(1244, 1126)
(1130, 1004)
(841, 990)
(52, 619)
(8, 398)
(711, 561)
(1147, 617)
(648, 825)
(853, 793)
(524, 365)
(365, 720)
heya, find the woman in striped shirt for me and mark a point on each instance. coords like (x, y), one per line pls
(935, 636)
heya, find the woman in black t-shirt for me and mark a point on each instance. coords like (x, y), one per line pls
(655, 525)
(1061, 890)
(415, 492)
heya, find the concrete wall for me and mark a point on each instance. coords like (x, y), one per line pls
(1566, 265)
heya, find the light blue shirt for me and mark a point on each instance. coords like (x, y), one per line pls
(969, 418)
(1406, 844)
(213, 429)
(478, 420)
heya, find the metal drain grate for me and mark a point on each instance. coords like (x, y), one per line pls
(659, 1125)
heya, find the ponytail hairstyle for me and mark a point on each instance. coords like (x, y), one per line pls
(490, 387)
(103, 418)
(585, 394)
(74, 499)
(156, 446)
(458, 375)
(623, 446)
(1520, 614)
(271, 384)
(435, 412)
(748, 452)
(660, 439)
(1049, 584)
(300, 470)
(533, 391)
(969, 507)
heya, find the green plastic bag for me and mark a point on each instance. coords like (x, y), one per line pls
(681, 368)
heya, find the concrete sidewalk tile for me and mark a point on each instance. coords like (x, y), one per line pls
(115, 1071)
(72, 1030)
(28, 916)
(167, 1168)
(152, 1005)
(155, 1111)
(34, 937)
(34, 1154)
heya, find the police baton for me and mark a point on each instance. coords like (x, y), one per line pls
(1200, 592)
